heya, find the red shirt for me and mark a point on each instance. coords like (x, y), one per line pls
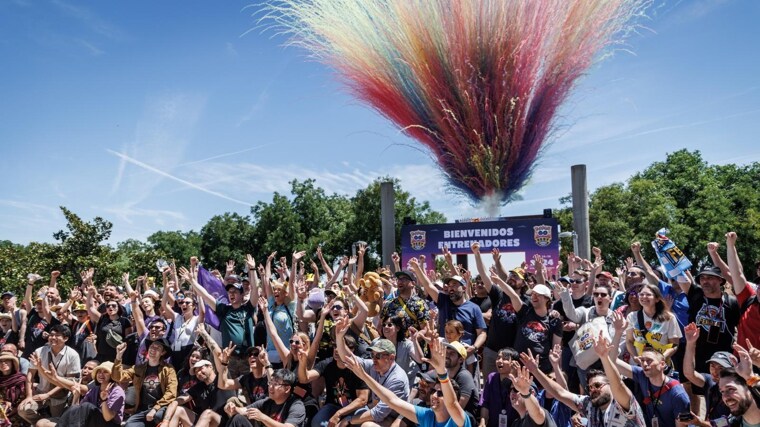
(749, 322)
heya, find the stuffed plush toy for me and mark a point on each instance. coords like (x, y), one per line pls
(372, 292)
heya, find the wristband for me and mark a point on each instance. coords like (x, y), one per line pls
(752, 380)
(525, 396)
(268, 367)
(444, 381)
(443, 376)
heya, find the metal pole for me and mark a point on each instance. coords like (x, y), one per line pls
(388, 220)
(580, 210)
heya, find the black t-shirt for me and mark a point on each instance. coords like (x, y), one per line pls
(527, 421)
(584, 301)
(300, 390)
(209, 396)
(254, 388)
(35, 326)
(105, 324)
(340, 384)
(467, 387)
(291, 412)
(537, 334)
(151, 388)
(722, 313)
(503, 320)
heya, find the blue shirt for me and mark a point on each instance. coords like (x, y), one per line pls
(680, 303)
(426, 418)
(668, 405)
(468, 313)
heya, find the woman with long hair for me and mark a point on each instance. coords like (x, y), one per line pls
(12, 390)
(653, 326)
(406, 357)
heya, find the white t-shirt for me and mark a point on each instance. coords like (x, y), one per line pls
(658, 333)
(66, 364)
(183, 331)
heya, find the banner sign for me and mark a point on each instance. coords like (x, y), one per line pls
(534, 236)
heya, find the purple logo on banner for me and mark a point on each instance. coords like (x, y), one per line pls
(215, 287)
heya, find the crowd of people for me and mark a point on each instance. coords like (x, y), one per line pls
(300, 344)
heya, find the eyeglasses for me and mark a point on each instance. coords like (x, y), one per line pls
(438, 393)
(278, 385)
(378, 356)
(596, 386)
(601, 294)
(157, 327)
(632, 274)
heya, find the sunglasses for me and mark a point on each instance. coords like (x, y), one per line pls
(596, 386)
(601, 295)
(337, 307)
(378, 356)
(185, 302)
(156, 327)
(388, 325)
(632, 274)
(296, 342)
(439, 393)
(112, 306)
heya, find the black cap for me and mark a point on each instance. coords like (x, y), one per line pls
(236, 285)
(8, 294)
(164, 342)
(709, 270)
(427, 377)
(408, 274)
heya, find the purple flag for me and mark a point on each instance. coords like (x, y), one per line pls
(215, 287)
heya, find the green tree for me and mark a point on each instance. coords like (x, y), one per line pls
(176, 245)
(226, 237)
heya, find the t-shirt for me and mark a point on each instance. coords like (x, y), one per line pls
(291, 412)
(394, 380)
(114, 401)
(426, 418)
(105, 324)
(236, 325)
(253, 388)
(468, 313)
(467, 388)
(503, 320)
(340, 384)
(527, 421)
(483, 302)
(612, 416)
(723, 313)
(658, 334)
(415, 305)
(537, 333)
(283, 317)
(35, 326)
(680, 305)
(667, 406)
(151, 391)
(209, 396)
(749, 322)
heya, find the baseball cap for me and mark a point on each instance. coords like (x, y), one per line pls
(406, 273)
(8, 294)
(519, 272)
(606, 274)
(427, 377)
(724, 359)
(542, 290)
(383, 346)
(237, 285)
(458, 347)
(457, 278)
(199, 364)
(709, 270)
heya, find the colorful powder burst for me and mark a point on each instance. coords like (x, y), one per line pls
(478, 82)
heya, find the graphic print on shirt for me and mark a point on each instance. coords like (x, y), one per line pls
(711, 315)
(507, 313)
(151, 384)
(534, 331)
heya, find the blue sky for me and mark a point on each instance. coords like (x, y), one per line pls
(158, 115)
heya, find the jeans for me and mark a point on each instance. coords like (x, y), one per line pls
(324, 415)
(138, 419)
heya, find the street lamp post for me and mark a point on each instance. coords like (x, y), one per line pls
(574, 235)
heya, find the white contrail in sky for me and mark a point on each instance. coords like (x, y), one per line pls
(172, 177)
(223, 155)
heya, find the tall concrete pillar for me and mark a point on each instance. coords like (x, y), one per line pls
(388, 220)
(580, 210)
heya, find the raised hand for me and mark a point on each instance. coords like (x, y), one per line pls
(230, 267)
(263, 306)
(224, 357)
(361, 249)
(298, 255)
(731, 238)
(341, 327)
(744, 368)
(555, 355)
(597, 252)
(619, 321)
(521, 382)
(531, 362)
(301, 291)
(602, 346)
(538, 262)
(496, 255)
(120, 349)
(250, 262)
(395, 257)
(754, 353)
(636, 247)
(712, 247)
(475, 247)
(437, 357)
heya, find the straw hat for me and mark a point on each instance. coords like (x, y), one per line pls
(13, 359)
(105, 366)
